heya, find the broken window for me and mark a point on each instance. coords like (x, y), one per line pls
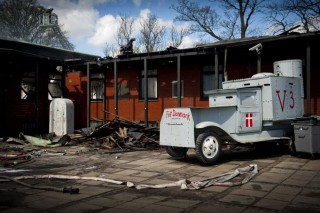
(123, 90)
(97, 86)
(208, 80)
(152, 85)
(54, 86)
(28, 86)
(175, 89)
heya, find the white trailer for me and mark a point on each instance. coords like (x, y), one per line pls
(246, 111)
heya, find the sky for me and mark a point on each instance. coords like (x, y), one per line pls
(92, 23)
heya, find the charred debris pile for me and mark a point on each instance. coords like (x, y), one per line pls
(119, 134)
(115, 135)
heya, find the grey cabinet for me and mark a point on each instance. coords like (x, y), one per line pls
(307, 138)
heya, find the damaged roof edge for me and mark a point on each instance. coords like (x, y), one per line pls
(206, 48)
(44, 52)
(252, 40)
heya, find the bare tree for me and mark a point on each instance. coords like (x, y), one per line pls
(24, 20)
(234, 22)
(229, 25)
(110, 50)
(203, 19)
(286, 13)
(152, 34)
(125, 30)
(244, 10)
(176, 36)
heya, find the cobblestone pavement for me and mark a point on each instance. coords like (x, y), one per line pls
(284, 184)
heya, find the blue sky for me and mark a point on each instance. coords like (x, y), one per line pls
(92, 23)
(158, 7)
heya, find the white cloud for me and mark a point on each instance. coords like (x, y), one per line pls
(188, 42)
(145, 13)
(105, 31)
(77, 18)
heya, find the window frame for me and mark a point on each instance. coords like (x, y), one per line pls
(97, 77)
(28, 80)
(141, 82)
(175, 89)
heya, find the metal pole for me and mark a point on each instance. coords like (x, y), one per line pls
(104, 98)
(216, 69)
(37, 97)
(225, 64)
(179, 81)
(145, 93)
(259, 63)
(308, 78)
(88, 94)
(115, 78)
(63, 81)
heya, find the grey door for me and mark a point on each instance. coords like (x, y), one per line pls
(249, 110)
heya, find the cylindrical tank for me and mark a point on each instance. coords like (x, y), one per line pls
(61, 116)
(290, 68)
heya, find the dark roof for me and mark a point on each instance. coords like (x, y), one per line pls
(43, 52)
(206, 48)
(261, 39)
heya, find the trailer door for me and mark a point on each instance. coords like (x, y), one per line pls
(249, 110)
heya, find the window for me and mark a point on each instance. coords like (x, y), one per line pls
(152, 85)
(123, 90)
(54, 86)
(208, 80)
(28, 86)
(97, 87)
(175, 89)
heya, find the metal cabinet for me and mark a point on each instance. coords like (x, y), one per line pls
(307, 138)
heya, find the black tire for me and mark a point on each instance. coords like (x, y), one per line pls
(208, 147)
(177, 152)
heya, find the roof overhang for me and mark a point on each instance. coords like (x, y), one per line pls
(43, 52)
(211, 47)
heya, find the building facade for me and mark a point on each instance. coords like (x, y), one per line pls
(30, 77)
(180, 78)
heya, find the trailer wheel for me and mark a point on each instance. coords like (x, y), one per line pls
(177, 152)
(208, 147)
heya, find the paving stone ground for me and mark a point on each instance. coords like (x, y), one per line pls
(284, 184)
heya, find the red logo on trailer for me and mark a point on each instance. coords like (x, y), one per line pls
(249, 120)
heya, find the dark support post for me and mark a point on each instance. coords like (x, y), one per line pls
(63, 81)
(37, 96)
(179, 81)
(308, 79)
(225, 64)
(88, 94)
(216, 69)
(145, 93)
(115, 78)
(104, 98)
(259, 63)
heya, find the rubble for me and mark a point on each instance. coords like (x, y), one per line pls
(118, 135)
